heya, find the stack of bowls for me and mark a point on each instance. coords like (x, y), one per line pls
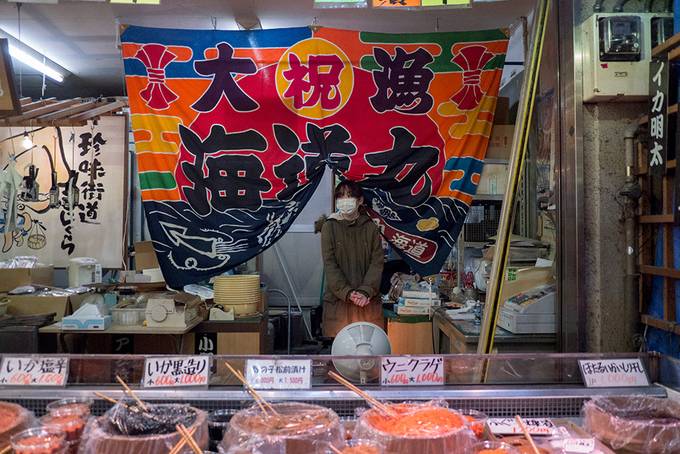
(240, 292)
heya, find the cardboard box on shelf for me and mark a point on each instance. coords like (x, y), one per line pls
(500, 142)
(16, 277)
(35, 305)
(523, 279)
(145, 256)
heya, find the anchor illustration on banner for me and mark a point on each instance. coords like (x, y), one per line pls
(212, 247)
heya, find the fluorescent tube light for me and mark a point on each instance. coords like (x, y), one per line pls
(34, 63)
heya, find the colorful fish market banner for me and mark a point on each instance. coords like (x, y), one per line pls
(233, 131)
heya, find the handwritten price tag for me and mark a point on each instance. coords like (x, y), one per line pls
(412, 370)
(279, 374)
(508, 426)
(33, 371)
(584, 445)
(615, 373)
(171, 371)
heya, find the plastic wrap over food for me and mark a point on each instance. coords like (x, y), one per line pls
(635, 423)
(127, 429)
(13, 419)
(423, 428)
(295, 428)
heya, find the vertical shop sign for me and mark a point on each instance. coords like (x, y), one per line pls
(206, 344)
(658, 113)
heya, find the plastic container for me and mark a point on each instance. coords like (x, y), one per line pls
(359, 446)
(103, 435)
(75, 405)
(218, 423)
(298, 429)
(428, 427)
(42, 440)
(635, 423)
(128, 316)
(493, 447)
(72, 424)
(13, 419)
(476, 421)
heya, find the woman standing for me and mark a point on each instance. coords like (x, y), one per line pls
(353, 262)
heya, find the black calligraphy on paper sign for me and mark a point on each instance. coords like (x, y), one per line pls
(658, 114)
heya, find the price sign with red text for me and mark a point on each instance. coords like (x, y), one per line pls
(172, 371)
(412, 370)
(33, 371)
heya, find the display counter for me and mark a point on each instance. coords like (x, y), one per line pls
(501, 386)
(462, 336)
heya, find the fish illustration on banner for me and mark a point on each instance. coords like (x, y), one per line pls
(234, 130)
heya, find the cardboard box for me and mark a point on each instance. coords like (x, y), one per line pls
(13, 278)
(145, 256)
(500, 142)
(502, 114)
(36, 305)
(523, 279)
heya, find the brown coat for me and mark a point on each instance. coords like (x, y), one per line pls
(353, 260)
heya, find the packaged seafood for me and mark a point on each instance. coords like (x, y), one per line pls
(296, 428)
(424, 428)
(127, 428)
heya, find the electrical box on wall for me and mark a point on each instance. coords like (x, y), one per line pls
(617, 49)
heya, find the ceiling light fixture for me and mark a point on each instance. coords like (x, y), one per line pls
(26, 142)
(30, 57)
(36, 64)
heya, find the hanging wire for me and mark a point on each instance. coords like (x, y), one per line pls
(213, 20)
(21, 72)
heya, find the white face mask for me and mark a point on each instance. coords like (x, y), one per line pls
(346, 205)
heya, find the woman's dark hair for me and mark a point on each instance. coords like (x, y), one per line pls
(348, 188)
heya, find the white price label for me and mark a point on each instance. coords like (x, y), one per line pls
(412, 370)
(33, 371)
(584, 445)
(279, 374)
(172, 371)
(599, 373)
(508, 426)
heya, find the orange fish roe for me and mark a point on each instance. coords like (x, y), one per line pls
(361, 449)
(39, 445)
(476, 426)
(416, 421)
(71, 424)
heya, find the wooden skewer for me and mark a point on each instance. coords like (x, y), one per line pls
(131, 393)
(6, 449)
(189, 439)
(106, 398)
(182, 441)
(334, 449)
(527, 435)
(367, 397)
(263, 404)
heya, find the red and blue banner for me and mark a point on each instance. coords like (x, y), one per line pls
(233, 131)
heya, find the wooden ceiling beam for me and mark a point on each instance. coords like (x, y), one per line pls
(24, 101)
(49, 108)
(34, 105)
(99, 111)
(67, 112)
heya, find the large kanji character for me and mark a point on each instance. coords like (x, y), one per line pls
(87, 141)
(94, 169)
(232, 180)
(222, 69)
(404, 169)
(315, 83)
(325, 145)
(403, 81)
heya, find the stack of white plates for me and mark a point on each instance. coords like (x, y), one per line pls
(240, 292)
